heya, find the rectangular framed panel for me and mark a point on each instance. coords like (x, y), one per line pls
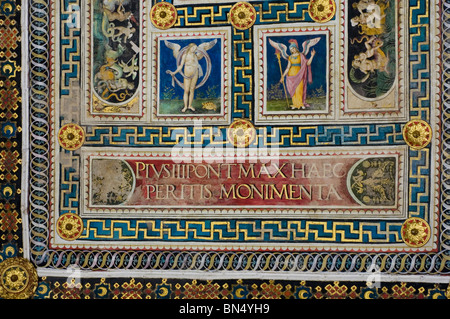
(219, 140)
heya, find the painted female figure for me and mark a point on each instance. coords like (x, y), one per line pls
(298, 71)
(188, 58)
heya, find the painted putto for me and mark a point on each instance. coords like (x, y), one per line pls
(116, 51)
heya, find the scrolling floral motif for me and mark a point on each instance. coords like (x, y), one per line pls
(373, 181)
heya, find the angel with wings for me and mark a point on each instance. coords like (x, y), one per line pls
(190, 69)
(298, 71)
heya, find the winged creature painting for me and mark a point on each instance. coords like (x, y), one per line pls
(298, 72)
(188, 66)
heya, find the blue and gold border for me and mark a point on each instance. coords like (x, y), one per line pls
(336, 135)
(13, 223)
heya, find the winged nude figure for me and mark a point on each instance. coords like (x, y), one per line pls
(190, 69)
(298, 71)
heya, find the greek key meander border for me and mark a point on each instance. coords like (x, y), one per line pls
(389, 263)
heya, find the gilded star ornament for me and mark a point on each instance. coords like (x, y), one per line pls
(241, 133)
(69, 226)
(417, 134)
(18, 278)
(415, 232)
(322, 10)
(71, 137)
(242, 15)
(163, 15)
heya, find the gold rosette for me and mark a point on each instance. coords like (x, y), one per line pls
(415, 232)
(417, 134)
(69, 226)
(241, 133)
(71, 137)
(242, 15)
(322, 10)
(18, 278)
(163, 15)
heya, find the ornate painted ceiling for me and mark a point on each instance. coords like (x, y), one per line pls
(224, 150)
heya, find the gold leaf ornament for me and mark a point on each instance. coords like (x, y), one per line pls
(417, 134)
(69, 226)
(241, 133)
(18, 278)
(71, 137)
(322, 10)
(163, 15)
(415, 232)
(242, 16)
